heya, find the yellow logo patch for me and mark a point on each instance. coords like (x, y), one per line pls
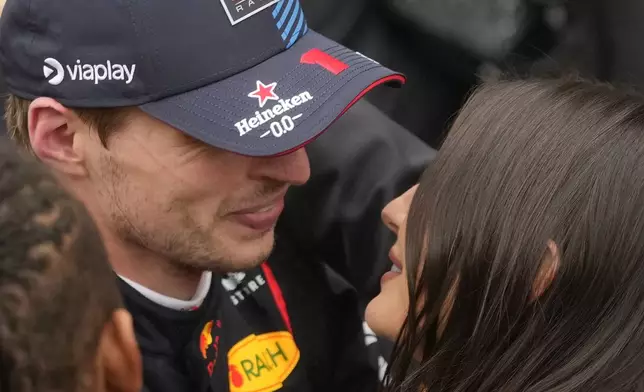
(262, 363)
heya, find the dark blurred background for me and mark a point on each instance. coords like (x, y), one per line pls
(445, 46)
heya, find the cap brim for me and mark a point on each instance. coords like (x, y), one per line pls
(313, 83)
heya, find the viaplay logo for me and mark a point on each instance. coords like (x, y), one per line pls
(55, 72)
(52, 66)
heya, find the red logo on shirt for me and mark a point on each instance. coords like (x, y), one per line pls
(209, 344)
(236, 377)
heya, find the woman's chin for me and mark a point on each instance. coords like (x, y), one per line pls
(383, 318)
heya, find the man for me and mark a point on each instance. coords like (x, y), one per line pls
(62, 326)
(180, 125)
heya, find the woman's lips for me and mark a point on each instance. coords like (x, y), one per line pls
(389, 275)
(396, 268)
(395, 259)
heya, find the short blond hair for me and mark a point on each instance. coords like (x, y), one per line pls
(104, 120)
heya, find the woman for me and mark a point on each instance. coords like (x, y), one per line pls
(523, 253)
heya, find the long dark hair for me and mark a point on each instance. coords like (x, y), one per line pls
(527, 162)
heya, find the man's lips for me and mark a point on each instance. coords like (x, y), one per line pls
(259, 207)
(261, 217)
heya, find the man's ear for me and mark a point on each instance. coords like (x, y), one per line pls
(54, 135)
(119, 355)
(547, 271)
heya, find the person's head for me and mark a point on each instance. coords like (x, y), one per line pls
(151, 185)
(62, 326)
(180, 124)
(524, 247)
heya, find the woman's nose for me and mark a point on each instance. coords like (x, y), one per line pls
(395, 213)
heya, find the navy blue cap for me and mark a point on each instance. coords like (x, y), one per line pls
(247, 76)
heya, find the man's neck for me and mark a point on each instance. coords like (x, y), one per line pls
(135, 262)
(151, 270)
(172, 303)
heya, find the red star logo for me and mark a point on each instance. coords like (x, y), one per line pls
(264, 92)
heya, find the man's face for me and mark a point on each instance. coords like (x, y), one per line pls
(191, 203)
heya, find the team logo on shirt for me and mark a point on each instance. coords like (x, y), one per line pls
(261, 363)
(241, 288)
(209, 344)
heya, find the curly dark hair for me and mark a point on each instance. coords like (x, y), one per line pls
(57, 290)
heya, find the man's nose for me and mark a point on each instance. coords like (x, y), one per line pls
(292, 168)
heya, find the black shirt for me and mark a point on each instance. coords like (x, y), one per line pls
(290, 324)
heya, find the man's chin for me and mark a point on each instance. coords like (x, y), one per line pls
(247, 253)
